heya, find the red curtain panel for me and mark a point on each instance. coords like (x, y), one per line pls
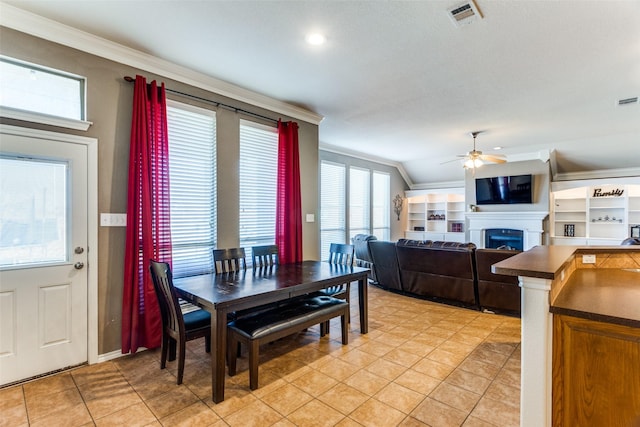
(288, 206)
(148, 216)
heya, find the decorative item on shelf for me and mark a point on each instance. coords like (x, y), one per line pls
(473, 208)
(635, 231)
(432, 217)
(569, 230)
(397, 205)
(418, 228)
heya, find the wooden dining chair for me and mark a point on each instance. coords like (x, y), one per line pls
(177, 328)
(264, 256)
(339, 254)
(229, 260)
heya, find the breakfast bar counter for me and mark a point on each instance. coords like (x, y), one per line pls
(580, 334)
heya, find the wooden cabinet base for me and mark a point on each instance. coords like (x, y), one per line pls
(596, 373)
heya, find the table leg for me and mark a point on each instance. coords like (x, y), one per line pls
(363, 301)
(219, 351)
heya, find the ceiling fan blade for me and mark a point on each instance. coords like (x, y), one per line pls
(493, 158)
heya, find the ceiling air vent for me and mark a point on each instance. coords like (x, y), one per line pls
(464, 14)
(628, 101)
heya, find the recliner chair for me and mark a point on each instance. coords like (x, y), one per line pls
(363, 253)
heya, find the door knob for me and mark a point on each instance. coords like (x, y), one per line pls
(79, 250)
(78, 265)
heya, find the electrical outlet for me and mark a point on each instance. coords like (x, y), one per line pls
(113, 220)
(588, 259)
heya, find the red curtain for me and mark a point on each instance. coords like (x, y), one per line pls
(148, 216)
(288, 204)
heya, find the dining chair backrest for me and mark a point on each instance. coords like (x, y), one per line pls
(340, 253)
(167, 297)
(264, 256)
(229, 260)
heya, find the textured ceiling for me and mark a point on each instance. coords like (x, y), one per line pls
(398, 81)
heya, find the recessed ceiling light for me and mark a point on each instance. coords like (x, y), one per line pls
(315, 39)
(497, 148)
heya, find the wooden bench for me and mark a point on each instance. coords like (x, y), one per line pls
(280, 322)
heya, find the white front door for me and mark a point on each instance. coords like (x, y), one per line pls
(43, 256)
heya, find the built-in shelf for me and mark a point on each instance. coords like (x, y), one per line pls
(596, 214)
(436, 215)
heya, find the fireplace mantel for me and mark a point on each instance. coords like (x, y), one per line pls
(531, 223)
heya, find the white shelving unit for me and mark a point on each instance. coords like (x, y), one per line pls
(595, 214)
(436, 215)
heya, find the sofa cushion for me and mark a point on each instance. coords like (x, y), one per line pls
(445, 270)
(496, 292)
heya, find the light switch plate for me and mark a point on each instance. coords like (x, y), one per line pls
(311, 218)
(113, 220)
(588, 259)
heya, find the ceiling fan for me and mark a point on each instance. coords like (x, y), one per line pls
(475, 158)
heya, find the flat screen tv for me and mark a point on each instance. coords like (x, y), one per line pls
(504, 190)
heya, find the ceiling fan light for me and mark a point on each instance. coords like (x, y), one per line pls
(468, 164)
(477, 163)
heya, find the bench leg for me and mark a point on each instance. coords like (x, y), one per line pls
(254, 346)
(344, 322)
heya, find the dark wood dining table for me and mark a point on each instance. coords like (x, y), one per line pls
(221, 294)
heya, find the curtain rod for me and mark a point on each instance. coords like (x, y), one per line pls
(208, 101)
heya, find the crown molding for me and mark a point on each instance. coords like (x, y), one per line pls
(597, 174)
(38, 26)
(370, 158)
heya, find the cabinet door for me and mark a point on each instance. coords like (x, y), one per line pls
(596, 373)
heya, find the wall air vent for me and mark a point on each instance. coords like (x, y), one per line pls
(464, 14)
(628, 101)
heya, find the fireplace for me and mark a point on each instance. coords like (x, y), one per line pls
(531, 225)
(503, 238)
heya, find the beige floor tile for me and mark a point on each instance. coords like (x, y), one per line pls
(76, 415)
(438, 414)
(477, 367)
(49, 385)
(343, 398)
(402, 357)
(134, 415)
(477, 422)
(39, 405)
(172, 401)
(235, 399)
(358, 358)
(287, 399)
(107, 405)
(256, 414)
(456, 397)
(399, 397)
(197, 414)
(103, 385)
(374, 413)
(376, 348)
(386, 369)
(316, 414)
(366, 382)
(338, 369)
(496, 412)
(468, 381)
(314, 383)
(504, 393)
(446, 357)
(417, 381)
(433, 368)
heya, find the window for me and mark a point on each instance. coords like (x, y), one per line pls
(39, 94)
(192, 169)
(258, 175)
(381, 206)
(332, 202)
(359, 203)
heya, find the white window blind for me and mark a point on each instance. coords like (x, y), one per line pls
(192, 169)
(381, 205)
(359, 202)
(258, 175)
(332, 206)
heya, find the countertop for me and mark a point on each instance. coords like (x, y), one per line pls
(605, 295)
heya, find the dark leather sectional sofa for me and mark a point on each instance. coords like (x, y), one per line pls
(449, 272)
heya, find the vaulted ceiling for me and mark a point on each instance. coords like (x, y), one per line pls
(398, 81)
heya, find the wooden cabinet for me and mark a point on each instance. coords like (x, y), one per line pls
(596, 373)
(594, 214)
(436, 215)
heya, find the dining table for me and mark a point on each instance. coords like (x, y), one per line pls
(221, 294)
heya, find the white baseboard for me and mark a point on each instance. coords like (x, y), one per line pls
(114, 355)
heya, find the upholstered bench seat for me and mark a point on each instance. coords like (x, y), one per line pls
(270, 325)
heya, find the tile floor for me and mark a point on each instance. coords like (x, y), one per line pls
(421, 364)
